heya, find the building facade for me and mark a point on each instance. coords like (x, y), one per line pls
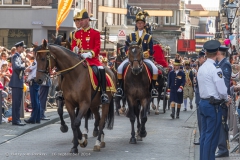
(35, 20)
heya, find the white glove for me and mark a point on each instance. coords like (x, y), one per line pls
(86, 55)
(179, 90)
(76, 49)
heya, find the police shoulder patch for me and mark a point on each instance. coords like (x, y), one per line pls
(220, 74)
(33, 64)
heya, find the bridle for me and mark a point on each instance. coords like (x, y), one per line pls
(120, 53)
(140, 61)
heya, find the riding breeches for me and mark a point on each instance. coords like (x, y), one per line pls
(154, 68)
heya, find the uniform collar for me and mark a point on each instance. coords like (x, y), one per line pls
(86, 29)
(137, 35)
(221, 60)
(210, 60)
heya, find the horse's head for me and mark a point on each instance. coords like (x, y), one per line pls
(135, 56)
(62, 41)
(45, 61)
(121, 52)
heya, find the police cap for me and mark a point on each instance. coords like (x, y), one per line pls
(19, 44)
(201, 53)
(212, 46)
(223, 48)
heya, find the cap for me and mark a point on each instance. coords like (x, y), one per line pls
(177, 62)
(223, 48)
(194, 65)
(18, 44)
(201, 53)
(81, 15)
(141, 16)
(212, 46)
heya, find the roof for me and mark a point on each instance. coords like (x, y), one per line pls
(195, 7)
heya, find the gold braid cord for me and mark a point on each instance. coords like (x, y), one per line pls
(78, 41)
(59, 72)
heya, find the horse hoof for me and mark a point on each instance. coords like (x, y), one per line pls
(123, 109)
(74, 150)
(85, 135)
(64, 128)
(84, 144)
(139, 138)
(157, 113)
(133, 141)
(95, 133)
(96, 148)
(103, 144)
(143, 134)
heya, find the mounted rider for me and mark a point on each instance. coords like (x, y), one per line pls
(86, 43)
(147, 48)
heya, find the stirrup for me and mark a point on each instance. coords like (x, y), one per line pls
(119, 92)
(154, 93)
(104, 98)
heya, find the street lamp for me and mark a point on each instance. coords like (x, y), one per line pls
(93, 21)
(231, 13)
(167, 48)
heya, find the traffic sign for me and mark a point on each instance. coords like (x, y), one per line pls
(121, 35)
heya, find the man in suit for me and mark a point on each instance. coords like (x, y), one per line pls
(16, 83)
(223, 143)
(176, 81)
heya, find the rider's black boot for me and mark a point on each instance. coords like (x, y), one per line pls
(104, 96)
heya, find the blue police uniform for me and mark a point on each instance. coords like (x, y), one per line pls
(210, 77)
(16, 83)
(43, 94)
(223, 137)
(34, 88)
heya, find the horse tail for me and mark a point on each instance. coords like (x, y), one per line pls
(110, 117)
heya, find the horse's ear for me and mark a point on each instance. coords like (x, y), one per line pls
(139, 42)
(34, 45)
(54, 38)
(45, 43)
(64, 36)
(127, 44)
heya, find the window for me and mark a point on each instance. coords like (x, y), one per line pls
(173, 18)
(15, 2)
(167, 20)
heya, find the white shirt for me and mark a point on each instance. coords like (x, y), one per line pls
(211, 81)
(140, 32)
(33, 72)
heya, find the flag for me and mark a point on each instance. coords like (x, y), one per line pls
(64, 7)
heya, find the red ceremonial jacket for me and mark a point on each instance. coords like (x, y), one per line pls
(88, 40)
(159, 55)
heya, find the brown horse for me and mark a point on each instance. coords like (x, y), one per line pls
(62, 41)
(77, 91)
(136, 89)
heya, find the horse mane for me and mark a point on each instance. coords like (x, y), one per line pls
(58, 40)
(69, 52)
(133, 43)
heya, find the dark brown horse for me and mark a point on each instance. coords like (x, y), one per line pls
(77, 90)
(136, 89)
(62, 41)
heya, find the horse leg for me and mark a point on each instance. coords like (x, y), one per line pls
(117, 104)
(71, 113)
(96, 124)
(143, 132)
(153, 105)
(60, 104)
(137, 111)
(86, 117)
(77, 122)
(124, 104)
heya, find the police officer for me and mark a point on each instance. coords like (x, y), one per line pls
(43, 94)
(147, 47)
(176, 81)
(201, 60)
(34, 88)
(210, 77)
(223, 142)
(16, 83)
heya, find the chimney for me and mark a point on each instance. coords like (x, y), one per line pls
(189, 1)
